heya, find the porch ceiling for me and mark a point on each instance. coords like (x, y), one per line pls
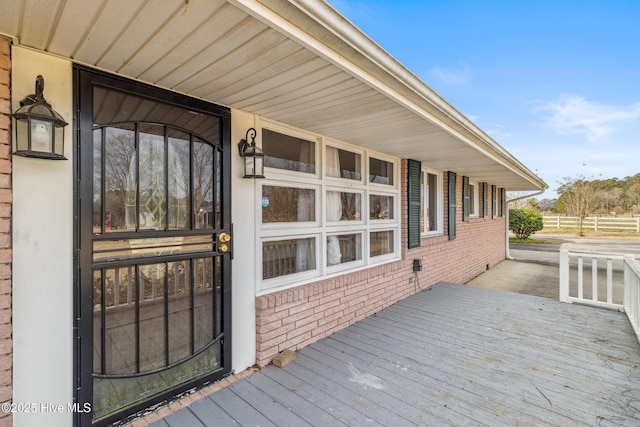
(299, 62)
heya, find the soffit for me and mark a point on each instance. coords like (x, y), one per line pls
(282, 60)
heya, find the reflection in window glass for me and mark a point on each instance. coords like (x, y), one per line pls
(380, 243)
(380, 207)
(343, 164)
(344, 248)
(288, 204)
(284, 257)
(432, 202)
(120, 178)
(153, 199)
(380, 172)
(179, 215)
(97, 185)
(343, 206)
(202, 184)
(288, 152)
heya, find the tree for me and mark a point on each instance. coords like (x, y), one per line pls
(524, 222)
(578, 197)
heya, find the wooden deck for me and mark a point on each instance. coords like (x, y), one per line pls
(451, 355)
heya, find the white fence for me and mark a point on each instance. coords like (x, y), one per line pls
(592, 223)
(621, 288)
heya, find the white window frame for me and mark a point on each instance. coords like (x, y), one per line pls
(475, 187)
(439, 231)
(322, 228)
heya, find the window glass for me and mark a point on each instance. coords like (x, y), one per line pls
(288, 152)
(473, 205)
(380, 171)
(343, 164)
(288, 204)
(343, 206)
(284, 257)
(380, 243)
(344, 248)
(428, 202)
(381, 207)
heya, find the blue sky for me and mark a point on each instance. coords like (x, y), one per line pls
(557, 83)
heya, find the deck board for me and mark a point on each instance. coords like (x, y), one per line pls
(452, 355)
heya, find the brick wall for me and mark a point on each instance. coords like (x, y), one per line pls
(6, 342)
(297, 317)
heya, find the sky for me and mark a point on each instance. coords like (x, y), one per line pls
(556, 83)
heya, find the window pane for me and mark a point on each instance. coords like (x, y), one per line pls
(381, 207)
(381, 243)
(203, 302)
(180, 313)
(472, 199)
(120, 178)
(202, 184)
(120, 321)
(344, 248)
(288, 204)
(288, 152)
(343, 164)
(179, 188)
(285, 257)
(97, 185)
(380, 172)
(153, 199)
(432, 202)
(342, 206)
(151, 320)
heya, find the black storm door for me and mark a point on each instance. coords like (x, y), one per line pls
(154, 245)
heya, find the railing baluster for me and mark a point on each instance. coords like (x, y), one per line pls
(594, 279)
(609, 280)
(580, 279)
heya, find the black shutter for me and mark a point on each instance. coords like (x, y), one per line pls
(452, 204)
(414, 169)
(466, 199)
(485, 199)
(494, 201)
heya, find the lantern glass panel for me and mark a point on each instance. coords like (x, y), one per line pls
(41, 136)
(249, 167)
(59, 140)
(22, 135)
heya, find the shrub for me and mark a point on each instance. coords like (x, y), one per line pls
(524, 222)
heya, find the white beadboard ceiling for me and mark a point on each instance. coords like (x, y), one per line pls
(299, 62)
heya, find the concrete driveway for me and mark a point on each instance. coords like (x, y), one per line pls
(534, 269)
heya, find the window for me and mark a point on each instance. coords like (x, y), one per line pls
(287, 152)
(473, 200)
(380, 171)
(287, 204)
(431, 202)
(319, 215)
(343, 164)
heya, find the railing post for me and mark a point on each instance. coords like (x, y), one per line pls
(558, 218)
(564, 275)
(595, 224)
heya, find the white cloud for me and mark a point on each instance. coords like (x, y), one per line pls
(452, 76)
(575, 115)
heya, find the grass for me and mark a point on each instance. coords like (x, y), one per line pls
(531, 240)
(588, 233)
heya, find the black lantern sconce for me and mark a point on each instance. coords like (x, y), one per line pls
(39, 128)
(253, 156)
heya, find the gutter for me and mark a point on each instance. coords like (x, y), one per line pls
(537, 193)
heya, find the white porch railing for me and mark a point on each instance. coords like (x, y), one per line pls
(632, 292)
(622, 290)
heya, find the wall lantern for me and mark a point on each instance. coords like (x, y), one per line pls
(39, 128)
(253, 156)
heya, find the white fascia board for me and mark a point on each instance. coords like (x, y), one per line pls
(322, 18)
